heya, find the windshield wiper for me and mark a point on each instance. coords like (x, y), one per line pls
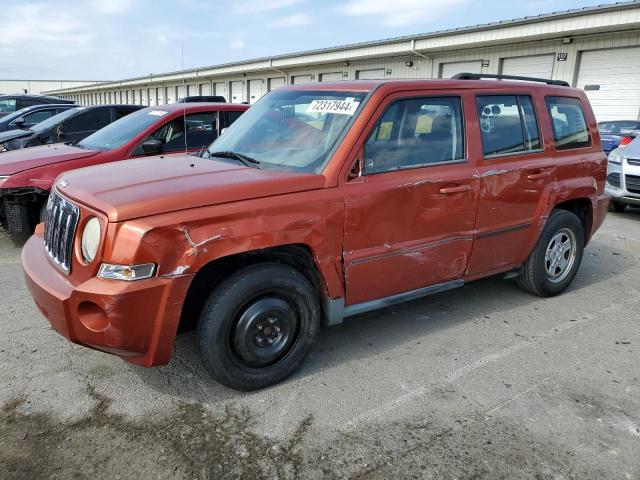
(244, 159)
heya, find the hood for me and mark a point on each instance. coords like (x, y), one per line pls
(138, 188)
(14, 134)
(15, 161)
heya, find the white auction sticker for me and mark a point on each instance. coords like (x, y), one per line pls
(157, 113)
(341, 107)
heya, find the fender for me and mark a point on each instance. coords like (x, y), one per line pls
(559, 192)
(182, 243)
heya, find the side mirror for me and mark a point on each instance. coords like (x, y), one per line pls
(152, 147)
(19, 122)
(223, 130)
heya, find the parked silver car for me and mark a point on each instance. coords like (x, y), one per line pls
(623, 176)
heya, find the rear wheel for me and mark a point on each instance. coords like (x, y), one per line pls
(616, 206)
(258, 326)
(555, 259)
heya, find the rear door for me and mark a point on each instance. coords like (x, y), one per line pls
(515, 170)
(410, 216)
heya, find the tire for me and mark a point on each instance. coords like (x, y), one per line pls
(543, 277)
(258, 326)
(615, 206)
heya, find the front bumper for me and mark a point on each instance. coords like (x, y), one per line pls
(134, 320)
(625, 187)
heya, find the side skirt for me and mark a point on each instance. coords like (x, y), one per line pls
(336, 311)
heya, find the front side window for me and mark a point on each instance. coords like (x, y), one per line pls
(37, 117)
(202, 129)
(416, 132)
(508, 125)
(7, 105)
(295, 130)
(570, 128)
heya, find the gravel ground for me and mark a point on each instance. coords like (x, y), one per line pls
(481, 382)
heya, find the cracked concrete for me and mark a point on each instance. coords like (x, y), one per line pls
(484, 382)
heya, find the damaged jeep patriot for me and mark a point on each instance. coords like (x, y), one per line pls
(321, 202)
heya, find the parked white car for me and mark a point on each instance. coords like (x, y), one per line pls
(623, 176)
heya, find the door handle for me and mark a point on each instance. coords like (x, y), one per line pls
(457, 189)
(539, 175)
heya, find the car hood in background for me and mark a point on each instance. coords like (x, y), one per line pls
(138, 188)
(16, 161)
(14, 135)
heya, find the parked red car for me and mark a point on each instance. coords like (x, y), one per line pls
(26, 176)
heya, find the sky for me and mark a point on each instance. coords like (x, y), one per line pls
(116, 39)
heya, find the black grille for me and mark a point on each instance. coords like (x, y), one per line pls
(633, 183)
(613, 179)
(59, 231)
(633, 161)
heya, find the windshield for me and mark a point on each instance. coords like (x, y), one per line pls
(618, 127)
(292, 130)
(123, 130)
(55, 120)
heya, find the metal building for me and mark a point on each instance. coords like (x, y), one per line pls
(595, 48)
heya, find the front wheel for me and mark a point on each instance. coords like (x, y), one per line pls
(258, 326)
(555, 259)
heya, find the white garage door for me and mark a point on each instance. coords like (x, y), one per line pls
(220, 88)
(331, 77)
(205, 89)
(612, 81)
(255, 90)
(540, 66)
(276, 83)
(182, 91)
(448, 70)
(301, 79)
(236, 92)
(376, 74)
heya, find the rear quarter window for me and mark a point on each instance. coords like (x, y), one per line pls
(570, 129)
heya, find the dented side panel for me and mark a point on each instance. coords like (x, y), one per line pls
(403, 233)
(182, 243)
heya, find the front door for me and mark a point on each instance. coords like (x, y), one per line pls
(410, 217)
(514, 170)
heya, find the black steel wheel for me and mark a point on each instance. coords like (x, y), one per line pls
(258, 326)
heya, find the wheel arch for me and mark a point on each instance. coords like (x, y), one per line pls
(298, 256)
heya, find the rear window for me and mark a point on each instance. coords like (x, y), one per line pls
(570, 128)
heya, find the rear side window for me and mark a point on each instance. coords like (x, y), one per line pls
(569, 125)
(88, 121)
(508, 125)
(415, 133)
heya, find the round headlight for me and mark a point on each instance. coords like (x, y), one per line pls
(90, 239)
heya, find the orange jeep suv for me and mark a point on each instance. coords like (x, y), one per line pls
(319, 203)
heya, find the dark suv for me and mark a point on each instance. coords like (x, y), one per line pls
(11, 103)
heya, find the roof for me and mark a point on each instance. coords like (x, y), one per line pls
(435, 84)
(195, 106)
(420, 36)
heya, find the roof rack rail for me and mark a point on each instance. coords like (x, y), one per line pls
(478, 76)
